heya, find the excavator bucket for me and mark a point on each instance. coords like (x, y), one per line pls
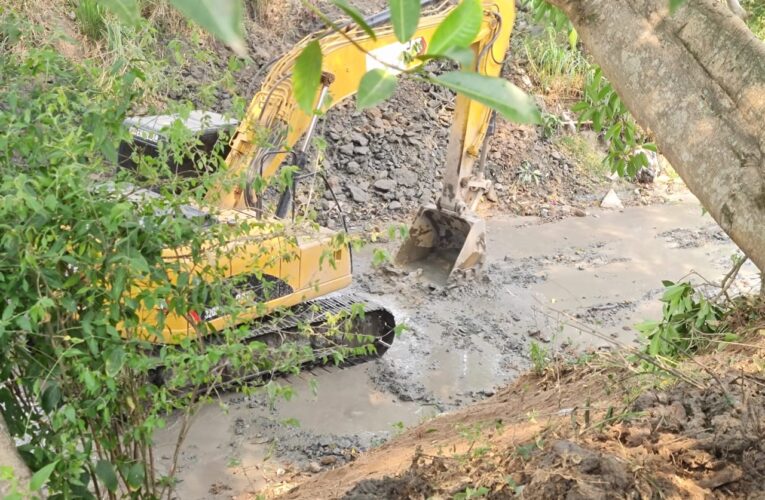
(444, 244)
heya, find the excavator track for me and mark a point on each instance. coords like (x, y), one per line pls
(315, 312)
(376, 322)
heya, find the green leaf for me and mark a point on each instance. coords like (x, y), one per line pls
(306, 76)
(115, 361)
(674, 5)
(222, 18)
(496, 93)
(51, 397)
(357, 17)
(41, 476)
(135, 476)
(125, 10)
(376, 86)
(105, 472)
(462, 55)
(459, 29)
(573, 38)
(405, 16)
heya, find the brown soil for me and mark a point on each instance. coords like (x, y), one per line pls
(602, 429)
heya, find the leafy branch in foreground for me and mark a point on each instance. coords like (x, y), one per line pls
(88, 288)
(451, 41)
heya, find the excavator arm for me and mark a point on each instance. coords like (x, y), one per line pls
(274, 124)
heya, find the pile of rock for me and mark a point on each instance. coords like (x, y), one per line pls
(386, 161)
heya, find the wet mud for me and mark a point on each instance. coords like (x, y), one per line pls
(546, 283)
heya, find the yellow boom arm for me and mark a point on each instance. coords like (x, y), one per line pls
(274, 123)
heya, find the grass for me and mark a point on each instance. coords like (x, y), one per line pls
(558, 69)
(586, 156)
(539, 358)
(90, 18)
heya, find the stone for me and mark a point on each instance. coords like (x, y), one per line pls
(611, 201)
(394, 205)
(491, 195)
(314, 467)
(347, 149)
(357, 194)
(385, 185)
(406, 177)
(359, 139)
(353, 167)
(361, 150)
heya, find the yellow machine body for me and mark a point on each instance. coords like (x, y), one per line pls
(295, 270)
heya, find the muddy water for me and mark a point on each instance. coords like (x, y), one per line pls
(548, 283)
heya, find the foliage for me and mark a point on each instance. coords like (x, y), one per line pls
(404, 15)
(402, 10)
(551, 123)
(222, 18)
(540, 358)
(528, 174)
(458, 29)
(545, 13)
(605, 110)
(587, 156)
(86, 283)
(450, 41)
(600, 105)
(499, 94)
(306, 76)
(559, 68)
(471, 492)
(690, 321)
(756, 19)
(91, 18)
(376, 86)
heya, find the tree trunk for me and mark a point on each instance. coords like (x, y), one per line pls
(695, 79)
(10, 457)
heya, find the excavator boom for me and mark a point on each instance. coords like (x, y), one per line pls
(274, 124)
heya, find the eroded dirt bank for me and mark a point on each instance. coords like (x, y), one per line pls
(592, 430)
(603, 270)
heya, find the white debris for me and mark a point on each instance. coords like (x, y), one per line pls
(611, 200)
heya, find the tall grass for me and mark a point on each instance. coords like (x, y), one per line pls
(90, 18)
(558, 68)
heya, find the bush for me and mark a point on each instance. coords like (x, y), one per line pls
(85, 281)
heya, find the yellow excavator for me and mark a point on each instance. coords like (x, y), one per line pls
(276, 132)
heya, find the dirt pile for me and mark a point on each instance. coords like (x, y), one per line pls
(584, 431)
